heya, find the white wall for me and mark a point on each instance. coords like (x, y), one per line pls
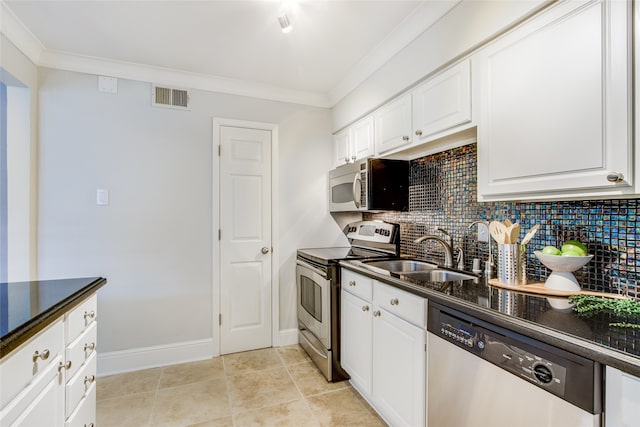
(464, 28)
(153, 241)
(21, 77)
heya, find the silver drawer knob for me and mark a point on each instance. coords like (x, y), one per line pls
(419, 132)
(90, 347)
(265, 250)
(37, 355)
(89, 314)
(62, 366)
(89, 379)
(352, 283)
(365, 308)
(615, 177)
(394, 301)
(376, 313)
(405, 138)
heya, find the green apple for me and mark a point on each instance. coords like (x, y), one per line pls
(551, 250)
(574, 246)
(572, 253)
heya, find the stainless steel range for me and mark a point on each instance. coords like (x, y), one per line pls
(318, 283)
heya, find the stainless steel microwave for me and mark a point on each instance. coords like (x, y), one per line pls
(370, 185)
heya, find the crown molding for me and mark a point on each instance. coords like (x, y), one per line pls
(172, 77)
(420, 20)
(18, 34)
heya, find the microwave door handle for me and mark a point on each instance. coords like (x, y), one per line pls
(357, 183)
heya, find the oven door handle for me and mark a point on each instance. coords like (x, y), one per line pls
(312, 268)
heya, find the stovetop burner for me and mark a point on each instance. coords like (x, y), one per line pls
(369, 239)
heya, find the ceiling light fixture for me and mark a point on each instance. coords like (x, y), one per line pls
(285, 24)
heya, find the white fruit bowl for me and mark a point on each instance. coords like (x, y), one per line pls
(561, 277)
(563, 264)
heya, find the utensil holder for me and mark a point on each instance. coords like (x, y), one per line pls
(511, 269)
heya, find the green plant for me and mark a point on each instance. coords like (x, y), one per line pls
(587, 306)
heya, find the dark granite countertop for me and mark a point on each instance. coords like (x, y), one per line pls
(28, 307)
(529, 315)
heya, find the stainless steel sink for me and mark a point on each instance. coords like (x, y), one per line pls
(439, 275)
(402, 265)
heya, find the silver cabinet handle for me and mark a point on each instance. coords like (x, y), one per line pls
(376, 313)
(365, 308)
(89, 379)
(405, 138)
(346, 160)
(44, 355)
(89, 425)
(394, 301)
(89, 314)
(62, 366)
(356, 190)
(91, 346)
(615, 177)
(419, 132)
(265, 250)
(352, 283)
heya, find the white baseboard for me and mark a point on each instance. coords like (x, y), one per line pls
(287, 337)
(117, 362)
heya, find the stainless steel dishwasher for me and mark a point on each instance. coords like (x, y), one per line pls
(479, 374)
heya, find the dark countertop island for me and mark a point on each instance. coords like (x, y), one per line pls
(28, 307)
(529, 315)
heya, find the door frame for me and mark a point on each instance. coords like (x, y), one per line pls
(215, 210)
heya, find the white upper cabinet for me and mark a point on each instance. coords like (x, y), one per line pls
(442, 102)
(393, 125)
(555, 105)
(355, 142)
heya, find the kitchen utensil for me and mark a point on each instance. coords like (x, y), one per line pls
(497, 231)
(509, 264)
(532, 232)
(507, 223)
(514, 232)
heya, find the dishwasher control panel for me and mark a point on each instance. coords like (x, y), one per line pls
(557, 371)
(498, 350)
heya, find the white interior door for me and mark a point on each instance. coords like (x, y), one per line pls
(245, 239)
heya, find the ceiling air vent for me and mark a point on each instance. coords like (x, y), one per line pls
(168, 97)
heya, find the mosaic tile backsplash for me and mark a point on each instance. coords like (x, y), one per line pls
(442, 193)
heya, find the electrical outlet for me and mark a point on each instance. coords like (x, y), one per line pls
(483, 232)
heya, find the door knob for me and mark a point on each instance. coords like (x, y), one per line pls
(265, 250)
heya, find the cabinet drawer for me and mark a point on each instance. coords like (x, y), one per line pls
(27, 363)
(80, 350)
(403, 304)
(357, 284)
(85, 413)
(81, 317)
(80, 385)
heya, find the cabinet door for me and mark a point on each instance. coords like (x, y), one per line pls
(342, 151)
(442, 102)
(622, 393)
(39, 404)
(356, 341)
(399, 358)
(362, 142)
(393, 125)
(555, 113)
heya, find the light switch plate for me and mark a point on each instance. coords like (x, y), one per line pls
(102, 196)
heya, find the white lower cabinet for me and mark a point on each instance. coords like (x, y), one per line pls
(383, 349)
(622, 399)
(50, 379)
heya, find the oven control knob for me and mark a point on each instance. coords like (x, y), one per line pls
(543, 374)
(481, 345)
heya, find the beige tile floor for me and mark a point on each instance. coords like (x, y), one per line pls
(269, 387)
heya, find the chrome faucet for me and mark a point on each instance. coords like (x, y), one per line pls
(448, 250)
